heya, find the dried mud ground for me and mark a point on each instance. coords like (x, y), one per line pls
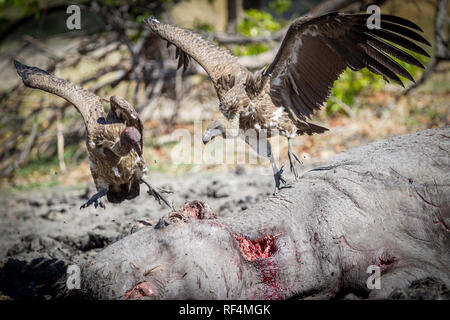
(42, 231)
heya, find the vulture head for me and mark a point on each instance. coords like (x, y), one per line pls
(214, 129)
(131, 138)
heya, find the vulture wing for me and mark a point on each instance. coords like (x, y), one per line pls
(315, 51)
(126, 114)
(218, 63)
(87, 103)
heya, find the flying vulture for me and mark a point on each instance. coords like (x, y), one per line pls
(114, 142)
(280, 99)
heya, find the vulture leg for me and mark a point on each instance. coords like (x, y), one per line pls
(157, 193)
(95, 200)
(277, 174)
(292, 158)
(264, 149)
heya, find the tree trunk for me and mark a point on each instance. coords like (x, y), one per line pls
(235, 11)
(383, 207)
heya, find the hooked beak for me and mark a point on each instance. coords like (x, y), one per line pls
(210, 135)
(137, 148)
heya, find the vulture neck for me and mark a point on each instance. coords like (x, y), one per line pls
(121, 149)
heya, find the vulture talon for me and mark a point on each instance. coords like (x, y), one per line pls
(95, 200)
(278, 178)
(158, 196)
(157, 193)
(99, 203)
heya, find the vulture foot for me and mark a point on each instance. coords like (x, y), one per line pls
(278, 178)
(157, 193)
(95, 200)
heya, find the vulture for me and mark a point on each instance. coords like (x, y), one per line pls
(114, 140)
(281, 98)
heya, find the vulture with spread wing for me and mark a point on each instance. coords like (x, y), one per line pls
(313, 54)
(114, 140)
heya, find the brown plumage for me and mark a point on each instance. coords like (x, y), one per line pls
(313, 54)
(114, 141)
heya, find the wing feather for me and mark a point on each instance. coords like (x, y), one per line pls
(316, 51)
(216, 61)
(88, 104)
(393, 51)
(399, 40)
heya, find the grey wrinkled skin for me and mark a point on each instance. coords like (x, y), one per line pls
(384, 204)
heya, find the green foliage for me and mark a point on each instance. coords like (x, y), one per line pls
(39, 165)
(30, 7)
(352, 83)
(203, 27)
(46, 164)
(255, 23)
(113, 3)
(279, 6)
(249, 49)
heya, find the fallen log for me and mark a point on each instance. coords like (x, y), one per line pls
(384, 206)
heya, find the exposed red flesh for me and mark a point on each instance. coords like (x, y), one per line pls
(261, 248)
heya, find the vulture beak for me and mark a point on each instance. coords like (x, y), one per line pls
(210, 135)
(137, 148)
(206, 138)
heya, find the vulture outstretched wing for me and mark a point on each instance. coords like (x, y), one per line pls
(315, 51)
(126, 114)
(87, 103)
(217, 62)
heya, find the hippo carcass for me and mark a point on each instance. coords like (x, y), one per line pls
(383, 208)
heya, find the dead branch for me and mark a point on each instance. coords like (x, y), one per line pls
(60, 140)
